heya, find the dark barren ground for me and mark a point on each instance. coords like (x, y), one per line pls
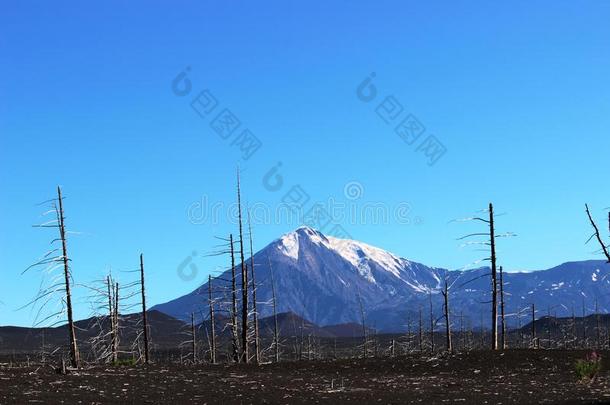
(512, 377)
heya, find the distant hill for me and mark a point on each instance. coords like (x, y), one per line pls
(166, 332)
(567, 326)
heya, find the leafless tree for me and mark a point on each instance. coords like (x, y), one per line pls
(60, 285)
(193, 338)
(494, 287)
(144, 320)
(234, 325)
(115, 340)
(74, 354)
(255, 311)
(276, 334)
(110, 285)
(534, 339)
(421, 330)
(363, 322)
(212, 322)
(431, 323)
(502, 317)
(445, 293)
(244, 281)
(491, 242)
(584, 325)
(596, 234)
(597, 327)
(574, 335)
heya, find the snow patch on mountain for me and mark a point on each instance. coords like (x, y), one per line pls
(358, 253)
(290, 245)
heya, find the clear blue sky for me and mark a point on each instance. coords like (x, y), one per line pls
(518, 93)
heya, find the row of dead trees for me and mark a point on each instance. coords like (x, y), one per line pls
(58, 258)
(240, 301)
(246, 337)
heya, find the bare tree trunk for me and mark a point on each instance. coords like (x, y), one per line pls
(276, 340)
(482, 332)
(574, 336)
(597, 235)
(520, 340)
(421, 330)
(449, 346)
(74, 354)
(364, 347)
(431, 323)
(503, 325)
(194, 342)
(408, 333)
(255, 313)
(597, 332)
(534, 326)
(244, 281)
(462, 333)
(302, 343)
(115, 349)
(584, 325)
(212, 322)
(111, 317)
(548, 326)
(235, 345)
(144, 320)
(494, 287)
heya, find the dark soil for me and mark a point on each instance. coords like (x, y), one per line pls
(484, 377)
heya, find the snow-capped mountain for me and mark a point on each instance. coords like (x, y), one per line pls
(324, 279)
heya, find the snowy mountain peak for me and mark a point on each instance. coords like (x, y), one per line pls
(358, 254)
(325, 279)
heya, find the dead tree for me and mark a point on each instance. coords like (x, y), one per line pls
(494, 286)
(110, 283)
(276, 334)
(409, 339)
(482, 332)
(597, 328)
(194, 338)
(548, 327)
(244, 281)
(462, 333)
(115, 341)
(255, 312)
(363, 320)
(74, 354)
(421, 330)
(491, 242)
(431, 323)
(212, 323)
(597, 235)
(574, 336)
(584, 325)
(234, 331)
(534, 343)
(502, 318)
(445, 293)
(144, 320)
(520, 337)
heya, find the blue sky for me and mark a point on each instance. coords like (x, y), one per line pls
(517, 94)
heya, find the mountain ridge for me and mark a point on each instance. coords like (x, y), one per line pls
(324, 279)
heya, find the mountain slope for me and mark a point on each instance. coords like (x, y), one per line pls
(324, 280)
(321, 278)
